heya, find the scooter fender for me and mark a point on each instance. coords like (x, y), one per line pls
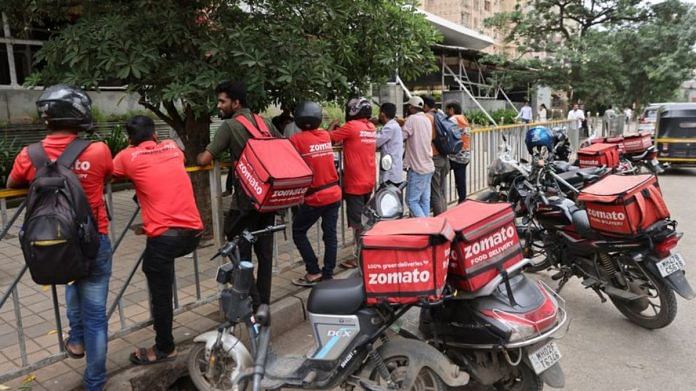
(233, 346)
(421, 355)
(677, 281)
(554, 376)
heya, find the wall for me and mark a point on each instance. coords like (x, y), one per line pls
(468, 104)
(17, 106)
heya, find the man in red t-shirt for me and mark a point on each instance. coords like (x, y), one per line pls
(359, 139)
(170, 220)
(323, 199)
(66, 110)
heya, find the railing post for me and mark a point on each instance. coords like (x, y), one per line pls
(112, 214)
(216, 203)
(3, 211)
(20, 327)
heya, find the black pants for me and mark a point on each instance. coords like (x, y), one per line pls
(158, 266)
(235, 223)
(306, 217)
(459, 171)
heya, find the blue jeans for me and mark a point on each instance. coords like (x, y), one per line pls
(418, 193)
(306, 217)
(86, 307)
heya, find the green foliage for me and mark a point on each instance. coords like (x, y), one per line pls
(8, 151)
(478, 118)
(602, 52)
(504, 116)
(116, 139)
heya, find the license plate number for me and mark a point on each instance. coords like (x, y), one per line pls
(544, 358)
(671, 264)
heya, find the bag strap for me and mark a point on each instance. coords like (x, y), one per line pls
(37, 155)
(313, 190)
(258, 131)
(640, 199)
(72, 151)
(658, 200)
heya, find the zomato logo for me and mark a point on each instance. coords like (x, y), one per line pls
(289, 193)
(588, 162)
(614, 216)
(414, 276)
(249, 178)
(320, 147)
(493, 241)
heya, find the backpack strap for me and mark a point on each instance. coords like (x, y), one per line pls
(37, 155)
(72, 151)
(258, 131)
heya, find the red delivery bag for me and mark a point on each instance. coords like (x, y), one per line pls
(270, 170)
(624, 204)
(486, 241)
(405, 261)
(618, 141)
(637, 143)
(598, 155)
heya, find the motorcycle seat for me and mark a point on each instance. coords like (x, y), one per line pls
(337, 297)
(581, 221)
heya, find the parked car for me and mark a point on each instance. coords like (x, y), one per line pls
(646, 121)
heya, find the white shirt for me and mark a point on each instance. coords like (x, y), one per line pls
(577, 115)
(542, 115)
(525, 113)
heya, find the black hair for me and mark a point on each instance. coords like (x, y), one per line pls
(389, 109)
(454, 106)
(235, 90)
(140, 129)
(428, 101)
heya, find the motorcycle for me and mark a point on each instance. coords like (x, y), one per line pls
(632, 271)
(632, 160)
(352, 345)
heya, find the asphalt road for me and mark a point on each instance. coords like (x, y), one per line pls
(602, 350)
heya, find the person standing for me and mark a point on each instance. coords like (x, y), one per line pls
(66, 110)
(390, 141)
(418, 159)
(438, 184)
(170, 220)
(459, 162)
(359, 138)
(543, 113)
(576, 115)
(322, 200)
(232, 136)
(525, 114)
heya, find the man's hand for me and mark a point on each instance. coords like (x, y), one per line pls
(400, 121)
(12, 184)
(204, 158)
(333, 125)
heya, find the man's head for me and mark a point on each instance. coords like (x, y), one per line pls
(231, 96)
(428, 103)
(308, 115)
(575, 106)
(415, 105)
(453, 108)
(387, 112)
(140, 129)
(526, 102)
(65, 108)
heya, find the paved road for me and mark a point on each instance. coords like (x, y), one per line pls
(603, 351)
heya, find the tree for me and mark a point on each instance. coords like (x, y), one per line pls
(173, 53)
(603, 52)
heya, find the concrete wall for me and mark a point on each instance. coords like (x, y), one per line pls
(391, 93)
(468, 104)
(17, 106)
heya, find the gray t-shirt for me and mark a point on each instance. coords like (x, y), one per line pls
(418, 131)
(390, 141)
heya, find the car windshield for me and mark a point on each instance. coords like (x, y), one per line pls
(651, 114)
(679, 127)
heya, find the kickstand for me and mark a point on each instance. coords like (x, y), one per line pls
(599, 293)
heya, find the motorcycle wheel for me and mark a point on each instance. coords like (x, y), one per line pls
(198, 368)
(522, 378)
(663, 313)
(397, 366)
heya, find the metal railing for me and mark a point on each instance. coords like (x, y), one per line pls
(484, 145)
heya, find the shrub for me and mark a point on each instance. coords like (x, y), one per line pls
(116, 140)
(8, 151)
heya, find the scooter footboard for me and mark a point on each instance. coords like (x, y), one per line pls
(420, 355)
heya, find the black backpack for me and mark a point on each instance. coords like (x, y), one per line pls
(59, 237)
(448, 136)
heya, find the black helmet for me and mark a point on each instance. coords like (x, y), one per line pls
(308, 115)
(65, 107)
(357, 108)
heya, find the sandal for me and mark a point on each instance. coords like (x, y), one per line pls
(306, 282)
(349, 264)
(70, 352)
(141, 358)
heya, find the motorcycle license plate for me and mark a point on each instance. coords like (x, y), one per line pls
(671, 264)
(544, 358)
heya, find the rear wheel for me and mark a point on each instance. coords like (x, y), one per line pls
(397, 366)
(656, 310)
(522, 378)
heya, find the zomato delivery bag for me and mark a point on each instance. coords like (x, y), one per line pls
(405, 261)
(270, 170)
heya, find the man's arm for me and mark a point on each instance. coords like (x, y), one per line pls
(340, 134)
(385, 135)
(221, 141)
(17, 177)
(14, 184)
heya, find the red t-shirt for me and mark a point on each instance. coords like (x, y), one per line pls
(359, 145)
(315, 148)
(92, 167)
(162, 185)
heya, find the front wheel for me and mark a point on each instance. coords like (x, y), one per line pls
(397, 366)
(654, 311)
(215, 378)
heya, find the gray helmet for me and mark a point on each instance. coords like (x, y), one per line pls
(65, 107)
(358, 108)
(308, 115)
